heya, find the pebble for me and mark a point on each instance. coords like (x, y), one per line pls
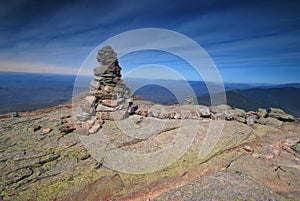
(46, 131)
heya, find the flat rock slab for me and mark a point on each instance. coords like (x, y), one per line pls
(221, 186)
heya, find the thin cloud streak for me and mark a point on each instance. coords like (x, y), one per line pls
(12, 66)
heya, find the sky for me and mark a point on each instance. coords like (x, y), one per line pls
(248, 41)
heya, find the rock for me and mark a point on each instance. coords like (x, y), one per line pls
(204, 112)
(46, 131)
(273, 122)
(177, 115)
(221, 186)
(154, 112)
(106, 55)
(241, 119)
(280, 115)
(189, 100)
(95, 128)
(186, 114)
(141, 111)
(95, 84)
(15, 114)
(229, 115)
(218, 116)
(110, 103)
(131, 110)
(239, 113)
(83, 116)
(91, 99)
(251, 119)
(103, 108)
(98, 71)
(108, 89)
(66, 129)
(163, 115)
(262, 112)
(36, 127)
(262, 120)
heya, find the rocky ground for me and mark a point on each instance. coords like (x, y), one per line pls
(255, 157)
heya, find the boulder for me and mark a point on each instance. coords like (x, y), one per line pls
(262, 112)
(280, 115)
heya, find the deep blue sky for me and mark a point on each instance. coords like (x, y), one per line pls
(249, 41)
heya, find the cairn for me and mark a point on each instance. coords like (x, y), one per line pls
(109, 98)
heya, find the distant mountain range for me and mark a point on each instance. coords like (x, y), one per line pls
(246, 96)
(29, 91)
(286, 98)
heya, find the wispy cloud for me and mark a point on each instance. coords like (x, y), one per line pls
(7, 66)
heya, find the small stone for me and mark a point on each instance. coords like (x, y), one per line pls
(154, 112)
(71, 125)
(15, 114)
(98, 71)
(36, 127)
(248, 148)
(241, 119)
(83, 116)
(177, 115)
(98, 78)
(251, 119)
(103, 108)
(46, 131)
(204, 112)
(95, 128)
(110, 103)
(90, 99)
(66, 129)
(141, 111)
(108, 89)
(218, 116)
(229, 115)
(189, 100)
(95, 84)
(186, 114)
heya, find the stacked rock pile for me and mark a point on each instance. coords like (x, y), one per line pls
(109, 98)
